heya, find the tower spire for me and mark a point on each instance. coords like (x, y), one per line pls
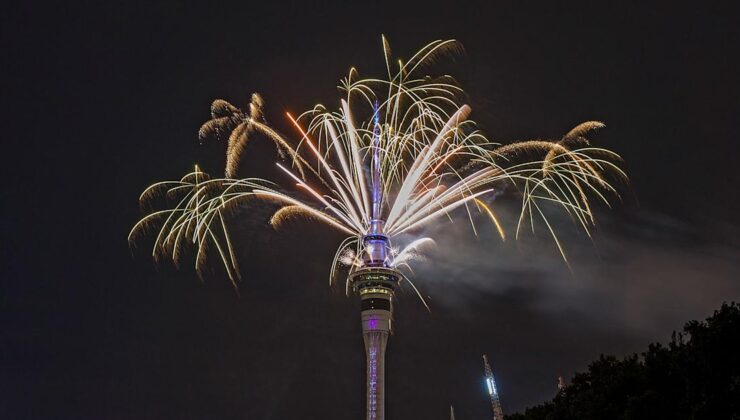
(377, 188)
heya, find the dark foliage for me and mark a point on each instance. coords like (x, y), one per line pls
(697, 376)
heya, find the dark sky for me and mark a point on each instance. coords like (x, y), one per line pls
(100, 101)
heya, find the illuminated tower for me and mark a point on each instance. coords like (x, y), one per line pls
(375, 282)
(498, 413)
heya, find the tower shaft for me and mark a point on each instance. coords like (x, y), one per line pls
(375, 332)
(375, 286)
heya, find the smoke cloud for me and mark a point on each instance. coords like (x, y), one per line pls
(641, 273)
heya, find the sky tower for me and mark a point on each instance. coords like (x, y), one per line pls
(375, 283)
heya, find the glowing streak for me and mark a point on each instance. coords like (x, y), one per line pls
(410, 182)
(314, 212)
(356, 157)
(444, 159)
(332, 175)
(493, 218)
(441, 211)
(408, 252)
(318, 196)
(342, 159)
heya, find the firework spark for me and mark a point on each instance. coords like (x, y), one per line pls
(399, 152)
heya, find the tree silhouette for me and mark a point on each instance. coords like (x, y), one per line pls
(696, 376)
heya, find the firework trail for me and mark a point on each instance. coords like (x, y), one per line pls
(399, 152)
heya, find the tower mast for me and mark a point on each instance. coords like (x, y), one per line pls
(498, 413)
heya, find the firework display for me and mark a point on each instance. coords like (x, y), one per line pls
(399, 152)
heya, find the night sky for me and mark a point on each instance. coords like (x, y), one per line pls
(100, 101)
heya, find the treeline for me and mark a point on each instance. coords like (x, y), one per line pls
(696, 376)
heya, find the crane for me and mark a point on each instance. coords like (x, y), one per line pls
(498, 413)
